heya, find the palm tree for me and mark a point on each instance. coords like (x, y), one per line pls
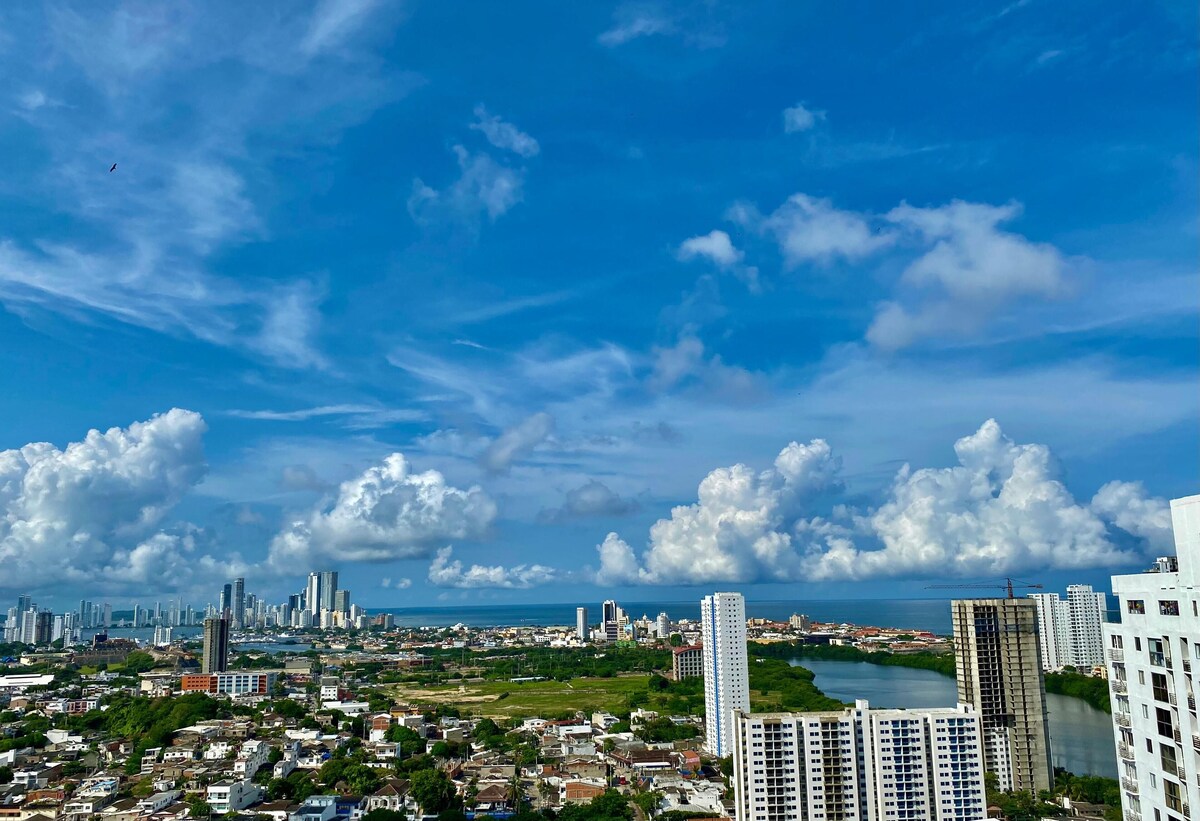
(516, 793)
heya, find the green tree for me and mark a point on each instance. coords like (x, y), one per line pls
(199, 808)
(432, 790)
(6, 775)
(139, 662)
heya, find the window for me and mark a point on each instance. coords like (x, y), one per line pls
(1165, 726)
(1136, 606)
(1167, 756)
(1158, 682)
(1171, 792)
(1168, 608)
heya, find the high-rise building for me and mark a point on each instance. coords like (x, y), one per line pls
(215, 658)
(581, 623)
(1069, 630)
(999, 671)
(907, 765)
(329, 583)
(662, 626)
(225, 607)
(341, 601)
(726, 671)
(1152, 655)
(687, 662)
(610, 620)
(238, 604)
(312, 594)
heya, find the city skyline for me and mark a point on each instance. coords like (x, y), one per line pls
(749, 311)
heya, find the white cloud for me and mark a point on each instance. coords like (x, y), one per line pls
(89, 514)
(715, 246)
(447, 572)
(718, 248)
(396, 584)
(517, 441)
(357, 416)
(484, 187)
(810, 229)
(685, 363)
(800, 118)
(970, 270)
(388, 512)
(332, 22)
(633, 21)
(504, 135)
(1001, 510)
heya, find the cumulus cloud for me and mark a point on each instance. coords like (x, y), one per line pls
(484, 187)
(396, 584)
(447, 572)
(503, 134)
(517, 441)
(800, 118)
(388, 512)
(592, 498)
(90, 513)
(811, 229)
(971, 269)
(717, 248)
(1002, 509)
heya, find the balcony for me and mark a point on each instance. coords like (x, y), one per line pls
(1133, 815)
(1129, 785)
(1187, 811)
(1119, 686)
(1182, 773)
(1122, 719)
(1116, 654)
(1178, 736)
(1126, 752)
(1191, 702)
(1187, 665)
(1174, 699)
(1196, 742)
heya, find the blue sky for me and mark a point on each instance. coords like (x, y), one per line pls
(502, 302)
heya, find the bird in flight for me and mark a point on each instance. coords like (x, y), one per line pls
(114, 168)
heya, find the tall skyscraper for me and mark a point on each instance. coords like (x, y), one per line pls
(312, 594)
(610, 620)
(999, 671)
(238, 605)
(859, 763)
(726, 671)
(226, 604)
(581, 623)
(1153, 657)
(1069, 630)
(215, 656)
(329, 583)
(341, 601)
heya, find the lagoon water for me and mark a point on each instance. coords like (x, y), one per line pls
(1081, 737)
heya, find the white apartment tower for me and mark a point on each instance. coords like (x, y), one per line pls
(1151, 655)
(1069, 630)
(876, 765)
(726, 671)
(581, 623)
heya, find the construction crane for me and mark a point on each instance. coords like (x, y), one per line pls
(1008, 586)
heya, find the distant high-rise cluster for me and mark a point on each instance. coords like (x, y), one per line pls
(29, 624)
(1070, 630)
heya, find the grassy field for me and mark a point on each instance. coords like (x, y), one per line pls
(530, 698)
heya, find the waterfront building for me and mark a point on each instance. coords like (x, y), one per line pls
(726, 670)
(215, 655)
(999, 672)
(1151, 655)
(687, 662)
(798, 621)
(859, 763)
(1069, 630)
(581, 623)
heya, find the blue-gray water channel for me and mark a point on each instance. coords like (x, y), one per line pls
(1081, 737)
